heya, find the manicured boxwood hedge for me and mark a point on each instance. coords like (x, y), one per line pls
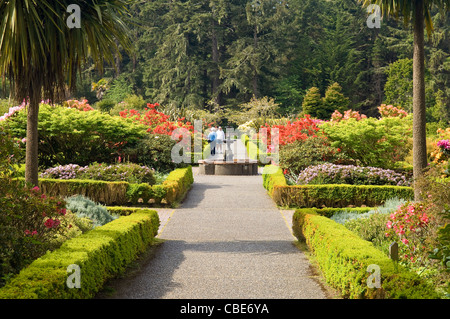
(122, 193)
(343, 259)
(254, 151)
(109, 193)
(331, 195)
(178, 183)
(100, 253)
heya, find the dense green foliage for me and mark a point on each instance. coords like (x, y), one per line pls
(70, 136)
(372, 142)
(213, 54)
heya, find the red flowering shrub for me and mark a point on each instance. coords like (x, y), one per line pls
(299, 130)
(157, 122)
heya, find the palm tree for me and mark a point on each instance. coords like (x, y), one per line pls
(41, 55)
(417, 12)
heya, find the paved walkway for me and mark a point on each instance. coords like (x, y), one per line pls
(227, 240)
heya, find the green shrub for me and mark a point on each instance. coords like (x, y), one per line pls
(128, 172)
(131, 102)
(153, 150)
(371, 228)
(70, 136)
(169, 192)
(105, 105)
(372, 142)
(108, 193)
(139, 193)
(84, 207)
(301, 154)
(327, 195)
(101, 254)
(177, 184)
(388, 207)
(273, 175)
(337, 195)
(343, 258)
(124, 210)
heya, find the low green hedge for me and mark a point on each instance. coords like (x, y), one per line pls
(330, 195)
(100, 253)
(123, 210)
(178, 183)
(273, 175)
(122, 193)
(343, 258)
(253, 151)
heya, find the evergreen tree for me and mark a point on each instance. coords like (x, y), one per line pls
(334, 100)
(313, 103)
(399, 84)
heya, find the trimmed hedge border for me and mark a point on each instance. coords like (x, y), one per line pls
(123, 210)
(343, 258)
(330, 195)
(100, 253)
(253, 151)
(172, 189)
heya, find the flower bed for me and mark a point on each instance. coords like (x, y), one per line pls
(328, 173)
(100, 254)
(109, 193)
(329, 195)
(344, 258)
(128, 172)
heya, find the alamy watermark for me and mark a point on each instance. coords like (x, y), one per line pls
(374, 19)
(374, 280)
(74, 19)
(74, 279)
(265, 148)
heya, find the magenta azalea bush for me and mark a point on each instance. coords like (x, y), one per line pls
(444, 145)
(328, 173)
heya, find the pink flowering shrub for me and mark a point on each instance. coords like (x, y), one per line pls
(79, 105)
(411, 226)
(392, 111)
(338, 116)
(444, 145)
(12, 111)
(29, 220)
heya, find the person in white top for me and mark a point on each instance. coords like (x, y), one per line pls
(220, 138)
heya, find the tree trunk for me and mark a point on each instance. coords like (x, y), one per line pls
(419, 120)
(255, 73)
(215, 59)
(31, 156)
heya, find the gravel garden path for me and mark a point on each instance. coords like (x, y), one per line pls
(227, 240)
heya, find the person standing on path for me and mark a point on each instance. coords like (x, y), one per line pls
(220, 138)
(212, 136)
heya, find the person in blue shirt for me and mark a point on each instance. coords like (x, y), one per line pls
(212, 140)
